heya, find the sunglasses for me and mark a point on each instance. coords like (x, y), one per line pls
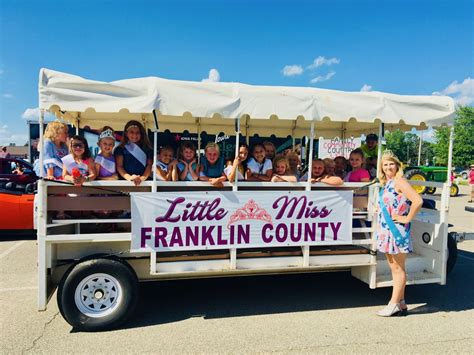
(78, 145)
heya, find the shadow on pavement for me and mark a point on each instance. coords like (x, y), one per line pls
(172, 301)
(8, 236)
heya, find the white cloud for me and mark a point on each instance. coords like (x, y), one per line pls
(7, 96)
(462, 93)
(292, 70)
(322, 77)
(214, 76)
(320, 61)
(366, 88)
(31, 114)
(7, 137)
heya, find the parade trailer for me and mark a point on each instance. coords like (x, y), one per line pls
(183, 230)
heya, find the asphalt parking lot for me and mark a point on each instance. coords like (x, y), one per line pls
(329, 312)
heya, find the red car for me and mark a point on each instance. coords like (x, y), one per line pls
(17, 204)
(17, 171)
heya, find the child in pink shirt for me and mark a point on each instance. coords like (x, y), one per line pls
(358, 173)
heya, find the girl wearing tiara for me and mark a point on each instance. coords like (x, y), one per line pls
(134, 156)
(105, 160)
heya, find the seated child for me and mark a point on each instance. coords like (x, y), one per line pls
(78, 167)
(212, 166)
(294, 161)
(281, 168)
(238, 165)
(166, 165)
(55, 149)
(134, 155)
(259, 168)
(340, 166)
(371, 166)
(318, 174)
(105, 160)
(270, 150)
(329, 166)
(187, 166)
(358, 173)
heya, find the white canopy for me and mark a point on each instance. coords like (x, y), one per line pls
(187, 105)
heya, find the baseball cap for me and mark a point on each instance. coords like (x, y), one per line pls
(371, 137)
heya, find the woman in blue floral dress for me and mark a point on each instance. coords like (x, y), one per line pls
(398, 205)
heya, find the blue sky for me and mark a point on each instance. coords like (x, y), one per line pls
(403, 47)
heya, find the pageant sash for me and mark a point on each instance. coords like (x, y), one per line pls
(400, 240)
(107, 164)
(137, 152)
(70, 164)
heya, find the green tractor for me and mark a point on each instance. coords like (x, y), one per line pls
(429, 173)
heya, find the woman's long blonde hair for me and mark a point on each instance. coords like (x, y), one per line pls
(388, 155)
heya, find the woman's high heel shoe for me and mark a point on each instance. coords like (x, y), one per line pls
(392, 309)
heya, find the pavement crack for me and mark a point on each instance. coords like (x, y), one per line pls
(42, 332)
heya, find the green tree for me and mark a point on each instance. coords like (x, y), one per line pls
(403, 145)
(463, 148)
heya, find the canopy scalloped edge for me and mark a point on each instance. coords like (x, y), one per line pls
(182, 102)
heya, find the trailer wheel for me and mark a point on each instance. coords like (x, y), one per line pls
(417, 175)
(454, 191)
(452, 253)
(98, 294)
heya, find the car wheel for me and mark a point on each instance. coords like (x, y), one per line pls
(417, 175)
(98, 294)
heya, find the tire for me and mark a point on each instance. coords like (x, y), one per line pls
(98, 294)
(452, 253)
(418, 175)
(454, 191)
(430, 190)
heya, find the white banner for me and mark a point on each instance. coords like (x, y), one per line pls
(178, 221)
(331, 148)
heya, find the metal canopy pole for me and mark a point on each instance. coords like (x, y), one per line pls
(199, 140)
(379, 149)
(41, 224)
(450, 166)
(237, 139)
(310, 157)
(155, 147)
(306, 248)
(419, 149)
(450, 155)
(78, 122)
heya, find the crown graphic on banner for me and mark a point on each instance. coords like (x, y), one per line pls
(250, 211)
